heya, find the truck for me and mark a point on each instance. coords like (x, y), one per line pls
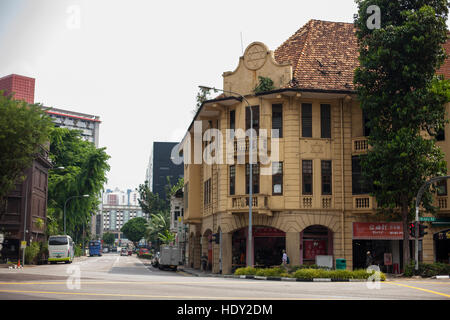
(170, 257)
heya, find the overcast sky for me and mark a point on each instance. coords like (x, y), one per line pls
(137, 63)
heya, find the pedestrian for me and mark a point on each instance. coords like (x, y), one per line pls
(284, 259)
(369, 259)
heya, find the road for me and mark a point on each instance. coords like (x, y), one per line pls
(114, 277)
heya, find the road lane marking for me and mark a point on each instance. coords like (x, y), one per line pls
(162, 297)
(421, 289)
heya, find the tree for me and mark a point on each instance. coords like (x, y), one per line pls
(108, 238)
(24, 128)
(150, 202)
(403, 100)
(134, 229)
(85, 169)
(202, 95)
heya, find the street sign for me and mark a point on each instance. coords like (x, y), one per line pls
(429, 219)
(23, 244)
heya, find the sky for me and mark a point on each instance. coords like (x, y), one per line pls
(137, 64)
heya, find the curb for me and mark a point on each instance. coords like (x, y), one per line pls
(441, 277)
(253, 277)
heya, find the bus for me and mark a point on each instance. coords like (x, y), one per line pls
(95, 248)
(60, 248)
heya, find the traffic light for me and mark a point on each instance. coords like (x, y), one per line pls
(422, 230)
(412, 229)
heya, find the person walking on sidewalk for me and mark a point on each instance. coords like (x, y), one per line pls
(285, 259)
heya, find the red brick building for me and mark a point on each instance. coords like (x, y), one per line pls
(20, 86)
(25, 211)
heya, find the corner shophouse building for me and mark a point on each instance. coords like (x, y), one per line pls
(315, 204)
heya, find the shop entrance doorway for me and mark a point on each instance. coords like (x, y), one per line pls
(268, 245)
(442, 246)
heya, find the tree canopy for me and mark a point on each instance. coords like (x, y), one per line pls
(24, 128)
(403, 100)
(85, 168)
(108, 238)
(134, 229)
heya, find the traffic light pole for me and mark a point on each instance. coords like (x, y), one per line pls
(418, 199)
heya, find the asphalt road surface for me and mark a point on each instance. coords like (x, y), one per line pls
(114, 277)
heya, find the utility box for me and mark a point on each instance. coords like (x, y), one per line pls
(341, 264)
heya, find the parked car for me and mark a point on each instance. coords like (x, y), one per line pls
(130, 252)
(124, 252)
(142, 251)
(114, 249)
(105, 250)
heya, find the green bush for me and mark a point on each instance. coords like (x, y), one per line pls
(427, 269)
(31, 252)
(247, 271)
(271, 272)
(78, 251)
(309, 274)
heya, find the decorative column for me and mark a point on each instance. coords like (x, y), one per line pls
(226, 253)
(293, 248)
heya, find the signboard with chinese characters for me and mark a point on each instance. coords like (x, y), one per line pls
(377, 231)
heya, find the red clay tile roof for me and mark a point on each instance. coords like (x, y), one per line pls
(445, 68)
(323, 55)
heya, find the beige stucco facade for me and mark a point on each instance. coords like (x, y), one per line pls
(292, 211)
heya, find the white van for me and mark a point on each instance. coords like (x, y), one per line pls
(60, 248)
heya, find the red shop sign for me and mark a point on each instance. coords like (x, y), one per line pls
(267, 232)
(377, 231)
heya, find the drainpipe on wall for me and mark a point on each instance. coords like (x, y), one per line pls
(343, 181)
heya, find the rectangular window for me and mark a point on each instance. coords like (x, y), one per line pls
(307, 120)
(307, 175)
(233, 119)
(441, 187)
(232, 179)
(326, 177)
(277, 178)
(441, 135)
(255, 110)
(359, 183)
(207, 192)
(277, 119)
(255, 178)
(325, 121)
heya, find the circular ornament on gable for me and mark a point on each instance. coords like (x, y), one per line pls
(255, 56)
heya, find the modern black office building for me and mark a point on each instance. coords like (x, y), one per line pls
(161, 166)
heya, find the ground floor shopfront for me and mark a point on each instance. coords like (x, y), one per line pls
(219, 244)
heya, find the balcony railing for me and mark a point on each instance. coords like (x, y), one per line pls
(363, 202)
(442, 202)
(241, 202)
(360, 145)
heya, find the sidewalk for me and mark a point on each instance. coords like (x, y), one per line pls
(198, 273)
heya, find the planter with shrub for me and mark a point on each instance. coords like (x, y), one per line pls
(307, 273)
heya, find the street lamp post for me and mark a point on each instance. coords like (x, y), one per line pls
(418, 198)
(65, 204)
(250, 204)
